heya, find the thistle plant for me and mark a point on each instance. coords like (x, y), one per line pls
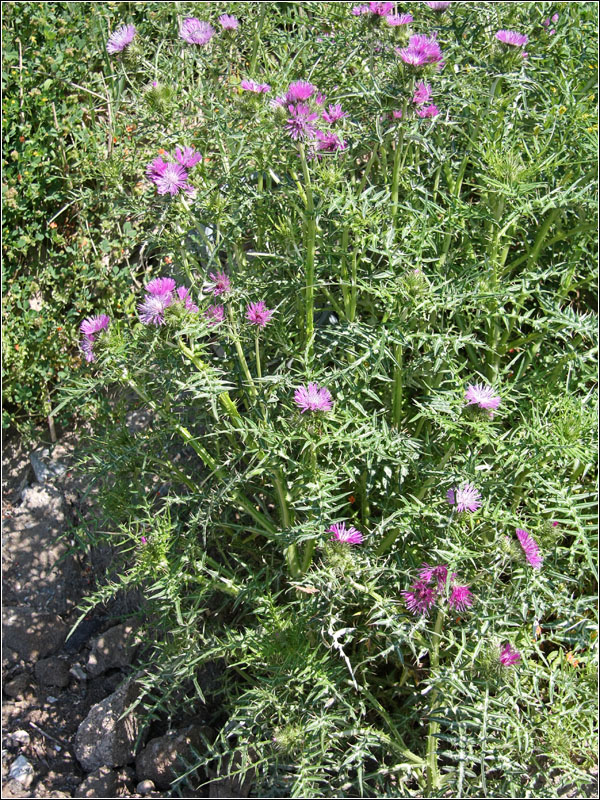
(367, 349)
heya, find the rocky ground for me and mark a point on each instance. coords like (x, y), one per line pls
(63, 735)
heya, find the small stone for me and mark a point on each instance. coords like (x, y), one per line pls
(78, 673)
(44, 466)
(115, 648)
(52, 672)
(51, 699)
(18, 687)
(18, 738)
(32, 634)
(105, 738)
(145, 787)
(102, 782)
(21, 771)
(164, 757)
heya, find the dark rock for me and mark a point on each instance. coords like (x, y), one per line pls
(84, 631)
(106, 739)
(52, 672)
(32, 634)
(115, 648)
(18, 687)
(103, 782)
(165, 757)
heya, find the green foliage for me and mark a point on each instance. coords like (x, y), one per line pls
(427, 256)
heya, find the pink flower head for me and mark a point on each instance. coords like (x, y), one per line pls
(340, 534)
(512, 38)
(229, 23)
(330, 143)
(421, 50)
(253, 86)
(438, 574)
(508, 656)
(381, 9)
(221, 283)
(143, 540)
(188, 157)
(395, 20)
(91, 326)
(258, 314)
(121, 39)
(172, 180)
(530, 548)
(427, 112)
(299, 90)
(357, 11)
(435, 6)
(555, 524)
(194, 31)
(467, 498)
(396, 114)
(481, 395)
(313, 398)
(183, 293)
(460, 598)
(152, 310)
(333, 114)
(156, 169)
(420, 598)
(300, 123)
(554, 17)
(87, 348)
(160, 286)
(422, 93)
(214, 314)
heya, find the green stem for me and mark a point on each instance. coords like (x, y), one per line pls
(398, 387)
(344, 271)
(433, 777)
(310, 233)
(257, 355)
(240, 354)
(256, 41)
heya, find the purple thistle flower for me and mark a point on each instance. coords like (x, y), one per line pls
(438, 574)
(421, 50)
(435, 6)
(221, 283)
(554, 17)
(313, 398)
(357, 11)
(555, 524)
(530, 548)
(512, 38)
(427, 112)
(333, 114)
(481, 395)
(330, 143)
(395, 20)
(320, 98)
(422, 93)
(460, 598)
(215, 314)
(508, 656)
(156, 169)
(143, 540)
(160, 286)
(258, 314)
(420, 598)
(299, 90)
(93, 325)
(396, 114)
(340, 534)
(467, 498)
(299, 124)
(121, 38)
(183, 293)
(172, 180)
(188, 157)
(228, 22)
(381, 9)
(152, 310)
(253, 86)
(194, 31)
